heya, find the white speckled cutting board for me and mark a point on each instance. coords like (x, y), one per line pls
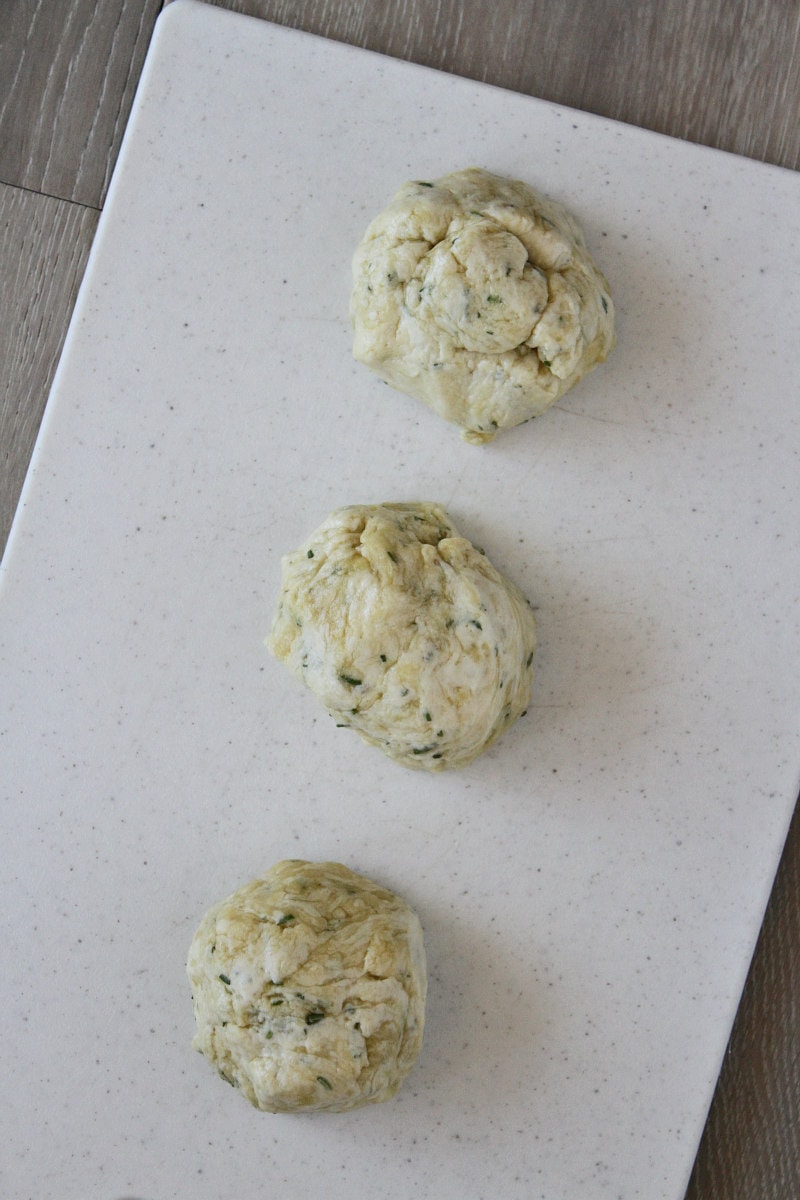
(591, 888)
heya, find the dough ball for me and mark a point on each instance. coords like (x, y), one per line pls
(479, 297)
(309, 989)
(406, 633)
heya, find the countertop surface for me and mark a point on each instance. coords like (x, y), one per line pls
(723, 75)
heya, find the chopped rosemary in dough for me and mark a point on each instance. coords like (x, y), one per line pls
(406, 633)
(478, 296)
(309, 989)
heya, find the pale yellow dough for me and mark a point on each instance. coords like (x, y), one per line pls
(406, 633)
(309, 989)
(479, 297)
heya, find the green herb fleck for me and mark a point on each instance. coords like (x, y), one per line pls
(383, 658)
(350, 680)
(424, 183)
(392, 556)
(309, 553)
(494, 299)
(225, 979)
(268, 1034)
(427, 715)
(604, 303)
(477, 624)
(326, 1083)
(314, 1017)
(285, 919)
(276, 1001)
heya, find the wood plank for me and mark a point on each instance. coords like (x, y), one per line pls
(69, 74)
(44, 244)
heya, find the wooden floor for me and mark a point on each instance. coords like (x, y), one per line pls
(725, 73)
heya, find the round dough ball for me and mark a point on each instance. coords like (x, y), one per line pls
(406, 633)
(479, 297)
(309, 989)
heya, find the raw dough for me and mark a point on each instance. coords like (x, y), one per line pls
(479, 297)
(309, 989)
(406, 633)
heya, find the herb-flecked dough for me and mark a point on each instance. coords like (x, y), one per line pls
(478, 296)
(406, 633)
(309, 987)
